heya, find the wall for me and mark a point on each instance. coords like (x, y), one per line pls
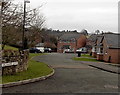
(94, 54)
(9, 56)
(100, 57)
(112, 55)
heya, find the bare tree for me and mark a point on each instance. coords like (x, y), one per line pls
(85, 32)
(9, 20)
(12, 21)
(97, 32)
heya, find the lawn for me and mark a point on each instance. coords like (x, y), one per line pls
(86, 55)
(10, 48)
(85, 59)
(31, 55)
(36, 69)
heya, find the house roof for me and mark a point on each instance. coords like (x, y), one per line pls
(93, 37)
(69, 36)
(112, 40)
(50, 45)
(99, 40)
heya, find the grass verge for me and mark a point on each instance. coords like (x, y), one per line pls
(35, 69)
(85, 55)
(10, 48)
(85, 59)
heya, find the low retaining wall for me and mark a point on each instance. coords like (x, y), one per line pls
(100, 57)
(10, 57)
(94, 54)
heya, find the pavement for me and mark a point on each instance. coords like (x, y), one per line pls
(70, 77)
(104, 66)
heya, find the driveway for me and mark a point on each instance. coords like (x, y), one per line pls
(70, 77)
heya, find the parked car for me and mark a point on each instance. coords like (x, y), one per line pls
(41, 49)
(34, 50)
(82, 50)
(48, 50)
(68, 51)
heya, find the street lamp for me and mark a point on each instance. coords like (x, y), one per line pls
(23, 39)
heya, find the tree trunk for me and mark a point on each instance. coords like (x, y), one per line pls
(3, 45)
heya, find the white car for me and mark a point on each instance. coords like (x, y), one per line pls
(41, 49)
(82, 50)
(68, 51)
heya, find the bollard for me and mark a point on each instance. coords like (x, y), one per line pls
(79, 54)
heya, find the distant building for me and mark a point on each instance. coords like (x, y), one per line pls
(50, 45)
(91, 40)
(40, 46)
(96, 45)
(71, 41)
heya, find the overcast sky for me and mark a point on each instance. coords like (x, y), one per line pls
(79, 14)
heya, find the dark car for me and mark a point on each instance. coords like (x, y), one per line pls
(34, 50)
(48, 50)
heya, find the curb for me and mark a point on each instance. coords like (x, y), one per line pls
(101, 68)
(11, 84)
(105, 69)
(112, 64)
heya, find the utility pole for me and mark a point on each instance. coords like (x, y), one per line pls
(23, 36)
(119, 17)
(1, 8)
(1, 21)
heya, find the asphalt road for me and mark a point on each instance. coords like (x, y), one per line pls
(70, 77)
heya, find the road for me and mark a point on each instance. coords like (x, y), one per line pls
(70, 77)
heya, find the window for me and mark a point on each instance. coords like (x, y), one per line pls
(93, 49)
(101, 50)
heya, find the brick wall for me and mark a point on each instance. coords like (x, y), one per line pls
(112, 55)
(100, 57)
(94, 54)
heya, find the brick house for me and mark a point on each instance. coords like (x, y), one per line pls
(90, 44)
(96, 45)
(71, 41)
(107, 48)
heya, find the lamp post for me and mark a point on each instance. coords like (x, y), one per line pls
(23, 39)
(1, 8)
(2, 4)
